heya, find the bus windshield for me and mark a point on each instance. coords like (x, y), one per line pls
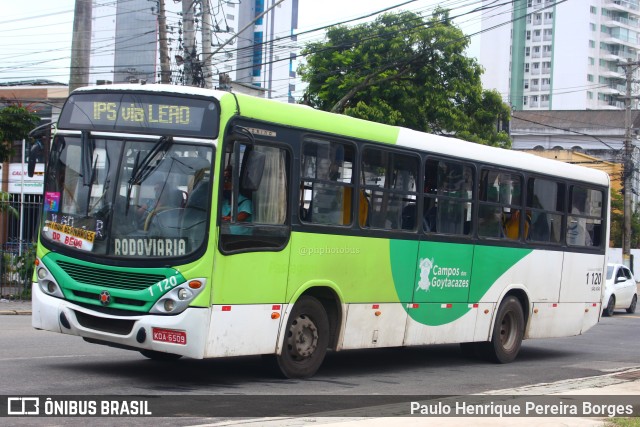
(127, 197)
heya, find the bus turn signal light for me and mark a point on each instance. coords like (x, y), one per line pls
(275, 315)
(195, 284)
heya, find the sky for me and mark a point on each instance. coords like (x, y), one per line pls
(35, 35)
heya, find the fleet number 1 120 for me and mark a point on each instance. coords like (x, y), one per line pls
(594, 278)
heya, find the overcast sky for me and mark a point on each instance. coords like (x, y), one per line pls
(35, 35)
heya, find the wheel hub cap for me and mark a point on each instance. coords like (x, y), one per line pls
(303, 337)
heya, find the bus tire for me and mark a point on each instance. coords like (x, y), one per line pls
(306, 339)
(508, 332)
(160, 355)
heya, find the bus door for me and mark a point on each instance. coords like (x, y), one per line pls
(252, 259)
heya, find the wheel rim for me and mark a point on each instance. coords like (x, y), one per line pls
(508, 331)
(303, 338)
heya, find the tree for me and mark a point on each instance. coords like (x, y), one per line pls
(405, 71)
(617, 219)
(16, 122)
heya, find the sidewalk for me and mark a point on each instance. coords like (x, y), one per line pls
(613, 388)
(14, 307)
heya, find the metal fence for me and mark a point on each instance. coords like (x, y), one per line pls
(19, 218)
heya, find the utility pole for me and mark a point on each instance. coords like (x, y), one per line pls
(80, 45)
(188, 41)
(628, 165)
(250, 24)
(206, 44)
(165, 63)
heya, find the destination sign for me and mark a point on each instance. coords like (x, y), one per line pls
(146, 113)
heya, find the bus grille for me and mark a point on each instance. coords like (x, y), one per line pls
(112, 326)
(109, 278)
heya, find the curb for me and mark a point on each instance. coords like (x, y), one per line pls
(15, 312)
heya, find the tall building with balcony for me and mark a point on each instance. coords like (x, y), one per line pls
(261, 55)
(551, 55)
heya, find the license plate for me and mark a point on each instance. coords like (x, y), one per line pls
(170, 336)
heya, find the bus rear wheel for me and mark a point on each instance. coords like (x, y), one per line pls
(306, 339)
(508, 332)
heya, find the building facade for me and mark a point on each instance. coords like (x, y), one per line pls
(245, 49)
(561, 55)
(261, 55)
(590, 138)
(124, 42)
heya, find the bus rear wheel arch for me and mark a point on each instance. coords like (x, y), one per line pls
(306, 338)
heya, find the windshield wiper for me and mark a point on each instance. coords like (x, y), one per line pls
(87, 146)
(92, 180)
(141, 169)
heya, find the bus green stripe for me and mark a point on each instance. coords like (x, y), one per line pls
(449, 275)
(297, 115)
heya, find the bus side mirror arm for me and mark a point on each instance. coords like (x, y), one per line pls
(36, 149)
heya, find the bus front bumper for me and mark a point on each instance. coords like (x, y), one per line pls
(184, 334)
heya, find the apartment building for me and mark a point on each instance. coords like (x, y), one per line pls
(553, 55)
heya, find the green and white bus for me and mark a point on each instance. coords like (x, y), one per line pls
(190, 222)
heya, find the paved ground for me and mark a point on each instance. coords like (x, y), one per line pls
(624, 385)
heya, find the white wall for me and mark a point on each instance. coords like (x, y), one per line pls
(614, 255)
(495, 49)
(571, 54)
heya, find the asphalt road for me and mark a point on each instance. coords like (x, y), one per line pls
(42, 363)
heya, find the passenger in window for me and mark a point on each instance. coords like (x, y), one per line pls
(490, 222)
(245, 208)
(512, 225)
(540, 231)
(577, 233)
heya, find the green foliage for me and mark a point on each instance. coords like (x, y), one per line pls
(407, 71)
(5, 205)
(17, 270)
(16, 122)
(617, 222)
(623, 422)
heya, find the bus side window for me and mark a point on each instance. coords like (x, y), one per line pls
(584, 223)
(545, 205)
(501, 201)
(389, 181)
(448, 189)
(257, 196)
(326, 186)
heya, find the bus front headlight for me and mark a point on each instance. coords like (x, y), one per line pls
(47, 282)
(177, 299)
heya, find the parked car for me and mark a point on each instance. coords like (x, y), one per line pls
(620, 291)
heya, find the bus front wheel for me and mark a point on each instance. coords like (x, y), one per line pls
(508, 332)
(306, 339)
